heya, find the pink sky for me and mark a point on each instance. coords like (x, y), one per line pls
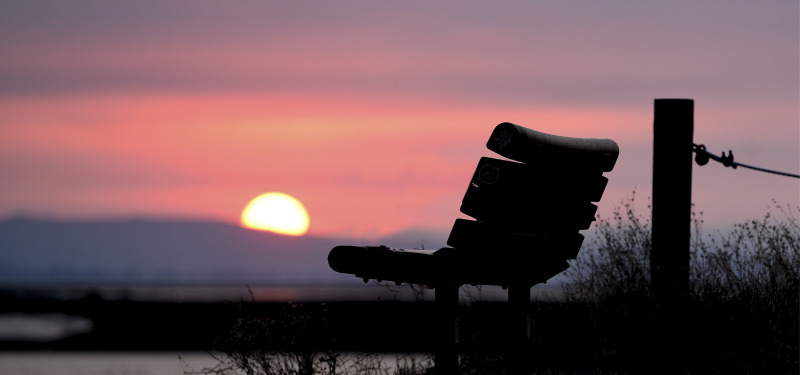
(375, 115)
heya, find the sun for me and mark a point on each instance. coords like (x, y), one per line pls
(276, 212)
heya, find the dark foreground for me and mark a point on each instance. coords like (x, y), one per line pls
(564, 336)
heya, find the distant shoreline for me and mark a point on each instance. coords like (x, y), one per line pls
(210, 293)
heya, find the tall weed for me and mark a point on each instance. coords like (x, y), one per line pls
(742, 304)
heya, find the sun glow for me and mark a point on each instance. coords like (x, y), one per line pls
(276, 212)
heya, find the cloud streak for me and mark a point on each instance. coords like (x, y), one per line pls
(517, 53)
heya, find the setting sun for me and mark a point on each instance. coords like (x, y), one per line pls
(276, 212)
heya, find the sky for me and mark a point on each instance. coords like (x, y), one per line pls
(374, 114)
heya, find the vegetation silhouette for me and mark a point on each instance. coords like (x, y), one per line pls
(741, 311)
(297, 341)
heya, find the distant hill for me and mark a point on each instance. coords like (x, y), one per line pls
(172, 252)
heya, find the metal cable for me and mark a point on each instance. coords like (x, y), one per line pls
(702, 157)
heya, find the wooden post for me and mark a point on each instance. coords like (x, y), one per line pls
(673, 132)
(519, 299)
(673, 128)
(447, 324)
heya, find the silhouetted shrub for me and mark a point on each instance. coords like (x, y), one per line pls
(286, 343)
(296, 341)
(741, 310)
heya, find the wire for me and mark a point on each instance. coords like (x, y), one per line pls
(703, 157)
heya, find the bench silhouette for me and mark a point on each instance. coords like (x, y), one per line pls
(528, 212)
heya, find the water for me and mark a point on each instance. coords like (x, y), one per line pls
(98, 363)
(95, 363)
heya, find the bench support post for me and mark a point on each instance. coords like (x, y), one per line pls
(446, 359)
(519, 298)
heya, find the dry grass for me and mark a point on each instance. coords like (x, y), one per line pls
(741, 313)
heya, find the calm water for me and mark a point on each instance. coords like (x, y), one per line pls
(71, 363)
(78, 363)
